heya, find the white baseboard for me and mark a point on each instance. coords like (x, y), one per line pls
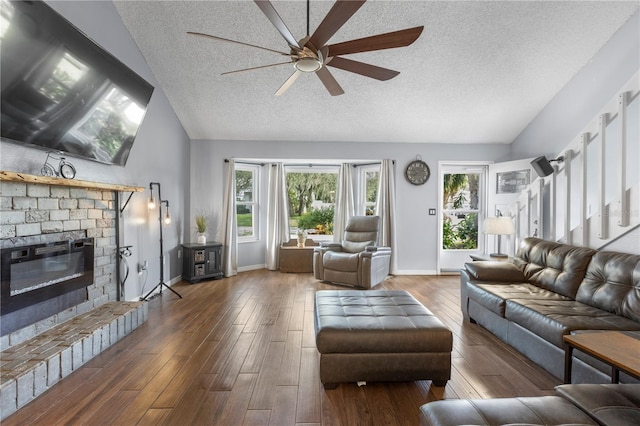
(251, 267)
(416, 272)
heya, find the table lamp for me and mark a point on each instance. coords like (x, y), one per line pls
(501, 225)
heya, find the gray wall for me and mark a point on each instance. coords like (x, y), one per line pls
(159, 154)
(571, 110)
(417, 231)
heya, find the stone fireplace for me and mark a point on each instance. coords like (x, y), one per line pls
(42, 220)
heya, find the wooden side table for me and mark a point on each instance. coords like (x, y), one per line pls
(297, 259)
(615, 348)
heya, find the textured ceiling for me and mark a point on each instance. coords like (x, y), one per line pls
(480, 71)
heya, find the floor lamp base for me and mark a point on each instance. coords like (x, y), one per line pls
(160, 285)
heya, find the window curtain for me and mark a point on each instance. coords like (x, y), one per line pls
(277, 214)
(386, 209)
(344, 201)
(230, 243)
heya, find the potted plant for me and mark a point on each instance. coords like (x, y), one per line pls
(201, 226)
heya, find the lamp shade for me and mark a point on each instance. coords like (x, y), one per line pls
(501, 225)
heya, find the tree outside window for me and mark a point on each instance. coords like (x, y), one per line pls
(312, 197)
(460, 199)
(246, 202)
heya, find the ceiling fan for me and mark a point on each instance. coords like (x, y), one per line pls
(312, 55)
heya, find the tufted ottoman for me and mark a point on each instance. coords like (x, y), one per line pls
(379, 335)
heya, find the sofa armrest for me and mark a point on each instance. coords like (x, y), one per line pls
(608, 404)
(328, 246)
(494, 271)
(373, 251)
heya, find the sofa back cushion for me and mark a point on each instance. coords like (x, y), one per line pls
(553, 266)
(612, 283)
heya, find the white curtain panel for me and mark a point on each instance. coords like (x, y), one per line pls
(230, 244)
(344, 201)
(277, 214)
(386, 209)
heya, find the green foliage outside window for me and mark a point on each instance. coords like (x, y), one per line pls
(319, 219)
(463, 235)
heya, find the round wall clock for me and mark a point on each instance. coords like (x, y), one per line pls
(417, 172)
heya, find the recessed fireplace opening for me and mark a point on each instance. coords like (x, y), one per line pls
(32, 274)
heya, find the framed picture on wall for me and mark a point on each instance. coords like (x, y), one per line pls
(512, 182)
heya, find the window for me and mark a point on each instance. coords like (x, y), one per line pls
(368, 191)
(460, 204)
(63, 78)
(247, 202)
(312, 197)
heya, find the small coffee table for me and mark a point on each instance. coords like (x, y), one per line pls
(615, 348)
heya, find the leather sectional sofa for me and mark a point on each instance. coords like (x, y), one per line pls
(585, 404)
(548, 290)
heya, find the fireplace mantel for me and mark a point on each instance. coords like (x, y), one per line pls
(46, 180)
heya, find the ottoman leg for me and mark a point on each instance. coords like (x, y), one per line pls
(329, 386)
(440, 383)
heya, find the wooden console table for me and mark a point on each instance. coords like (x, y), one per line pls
(615, 348)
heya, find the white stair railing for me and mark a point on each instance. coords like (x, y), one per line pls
(593, 196)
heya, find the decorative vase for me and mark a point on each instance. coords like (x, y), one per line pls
(301, 240)
(202, 238)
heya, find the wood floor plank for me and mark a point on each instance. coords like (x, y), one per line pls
(284, 407)
(256, 418)
(242, 350)
(289, 371)
(308, 408)
(211, 408)
(230, 368)
(264, 392)
(236, 405)
(184, 377)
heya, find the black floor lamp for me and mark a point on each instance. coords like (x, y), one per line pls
(165, 221)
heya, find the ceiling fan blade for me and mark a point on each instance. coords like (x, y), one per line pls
(329, 82)
(234, 41)
(340, 13)
(361, 68)
(377, 42)
(285, 86)
(255, 68)
(270, 11)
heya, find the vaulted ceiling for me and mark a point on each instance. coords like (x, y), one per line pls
(480, 71)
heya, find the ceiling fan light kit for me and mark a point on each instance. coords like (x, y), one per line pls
(306, 58)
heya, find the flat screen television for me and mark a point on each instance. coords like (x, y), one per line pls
(63, 92)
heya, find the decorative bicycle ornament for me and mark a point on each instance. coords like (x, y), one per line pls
(65, 169)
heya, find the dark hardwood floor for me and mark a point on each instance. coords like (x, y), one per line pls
(241, 351)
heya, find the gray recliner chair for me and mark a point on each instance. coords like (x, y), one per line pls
(356, 261)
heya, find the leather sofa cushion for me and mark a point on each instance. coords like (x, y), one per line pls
(551, 319)
(494, 271)
(542, 410)
(376, 321)
(553, 266)
(612, 283)
(609, 404)
(494, 296)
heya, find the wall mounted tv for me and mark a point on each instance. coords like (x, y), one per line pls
(63, 92)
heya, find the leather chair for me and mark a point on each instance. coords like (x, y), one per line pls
(356, 261)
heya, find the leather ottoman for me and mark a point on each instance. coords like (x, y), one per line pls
(379, 336)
